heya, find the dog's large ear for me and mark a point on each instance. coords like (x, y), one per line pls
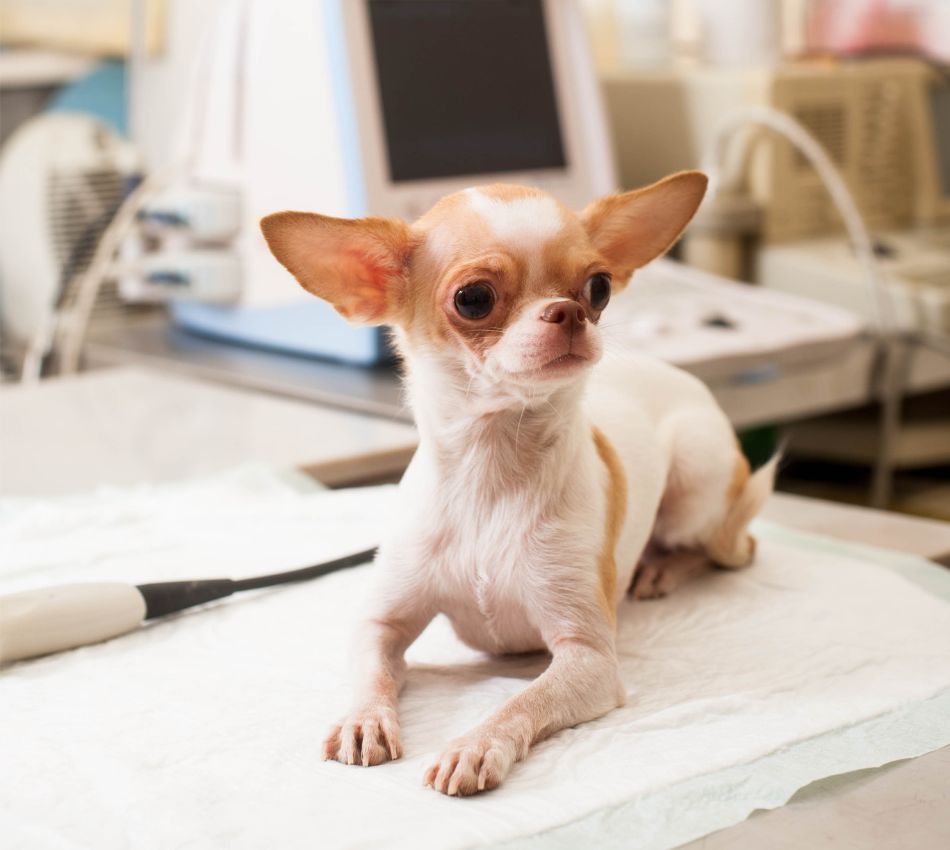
(358, 265)
(631, 229)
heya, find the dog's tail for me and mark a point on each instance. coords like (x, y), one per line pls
(732, 546)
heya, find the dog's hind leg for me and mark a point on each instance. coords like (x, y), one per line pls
(710, 498)
(659, 576)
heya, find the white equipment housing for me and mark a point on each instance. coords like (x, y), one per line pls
(377, 107)
(722, 330)
(915, 266)
(885, 124)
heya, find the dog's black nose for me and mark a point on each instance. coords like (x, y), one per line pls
(560, 312)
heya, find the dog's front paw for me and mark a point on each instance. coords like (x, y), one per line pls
(366, 737)
(477, 762)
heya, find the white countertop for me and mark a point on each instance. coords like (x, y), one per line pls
(124, 426)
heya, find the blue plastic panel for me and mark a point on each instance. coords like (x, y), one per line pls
(310, 328)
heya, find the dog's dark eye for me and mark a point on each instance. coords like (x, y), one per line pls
(597, 291)
(475, 301)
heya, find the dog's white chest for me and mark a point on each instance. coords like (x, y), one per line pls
(482, 576)
(503, 566)
(503, 541)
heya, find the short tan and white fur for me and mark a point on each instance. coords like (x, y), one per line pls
(546, 484)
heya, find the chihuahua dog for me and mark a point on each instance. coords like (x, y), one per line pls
(545, 485)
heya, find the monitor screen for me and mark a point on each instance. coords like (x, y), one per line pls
(466, 87)
(940, 104)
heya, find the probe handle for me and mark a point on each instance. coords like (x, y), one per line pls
(37, 622)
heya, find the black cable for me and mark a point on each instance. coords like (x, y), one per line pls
(304, 573)
(167, 597)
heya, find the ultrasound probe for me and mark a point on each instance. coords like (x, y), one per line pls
(52, 619)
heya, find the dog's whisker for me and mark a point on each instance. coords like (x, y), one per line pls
(524, 407)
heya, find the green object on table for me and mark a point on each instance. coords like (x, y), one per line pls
(759, 444)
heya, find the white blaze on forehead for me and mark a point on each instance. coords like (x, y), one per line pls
(441, 240)
(530, 221)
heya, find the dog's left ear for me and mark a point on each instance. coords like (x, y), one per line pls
(631, 229)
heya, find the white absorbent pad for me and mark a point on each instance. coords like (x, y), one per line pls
(205, 730)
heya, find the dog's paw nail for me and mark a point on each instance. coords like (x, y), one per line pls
(367, 738)
(469, 767)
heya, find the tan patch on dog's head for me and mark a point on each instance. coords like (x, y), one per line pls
(520, 241)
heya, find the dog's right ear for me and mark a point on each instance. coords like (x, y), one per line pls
(358, 265)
